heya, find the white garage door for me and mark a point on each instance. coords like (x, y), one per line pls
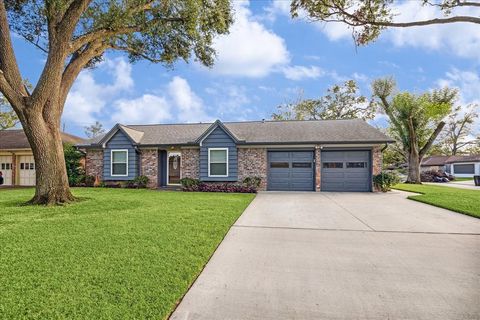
(6, 169)
(27, 170)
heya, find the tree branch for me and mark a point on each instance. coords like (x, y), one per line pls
(8, 63)
(76, 65)
(432, 138)
(12, 96)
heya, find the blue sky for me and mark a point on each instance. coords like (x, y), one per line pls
(265, 61)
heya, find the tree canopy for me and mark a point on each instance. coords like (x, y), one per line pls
(368, 18)
(342, 101)
(75, 34)
(8, 117)
(416, 119)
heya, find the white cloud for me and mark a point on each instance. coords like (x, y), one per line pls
(250, 49)
(301, 72)
(190, 106)
(230, 101)
(146, 109)
(468, 83)
(88, 97)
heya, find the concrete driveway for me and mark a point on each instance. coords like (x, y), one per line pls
(341, 256)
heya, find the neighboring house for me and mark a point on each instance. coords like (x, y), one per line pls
(16, 157)
(329, 155)
(460, 166)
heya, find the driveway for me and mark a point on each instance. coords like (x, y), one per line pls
(341, 256)
(470, 184)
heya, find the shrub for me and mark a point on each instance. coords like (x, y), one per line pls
(189, 184)
(252, 182)
(75, 172)
(225, 187)
(141, 181)
(385, 180)
(89, 181)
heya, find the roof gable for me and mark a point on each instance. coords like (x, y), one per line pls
(133, 135)
(215, 125)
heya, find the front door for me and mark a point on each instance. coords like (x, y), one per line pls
(6, 169)
(27, 171)
(174, 160)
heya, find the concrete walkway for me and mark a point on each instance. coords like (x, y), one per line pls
(341, 256)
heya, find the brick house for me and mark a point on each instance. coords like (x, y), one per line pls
(328, 155)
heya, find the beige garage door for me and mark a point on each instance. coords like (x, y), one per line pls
(26, 170)
(6, 169)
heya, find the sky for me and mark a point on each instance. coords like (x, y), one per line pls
(267, 59)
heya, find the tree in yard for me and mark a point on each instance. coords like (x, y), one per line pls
(341, 102)
(416, 120)
(8, 117)
(456, 137)
(75, 34)
(94, 130)
(368, 19)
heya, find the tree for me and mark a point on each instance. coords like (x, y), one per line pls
(369, 18)
(458, 131)
(416, 120)
(94, 130)
(75, 34)
(8, 117)
(341, 102)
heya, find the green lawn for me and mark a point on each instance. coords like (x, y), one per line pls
(460, 200)
(117, 254)
(463, 179)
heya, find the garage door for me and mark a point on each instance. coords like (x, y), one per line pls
(6, 167)
(27, 171)
(345, 171)
(290, 170)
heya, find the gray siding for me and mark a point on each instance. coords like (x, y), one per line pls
(219, 139)
(120, 141)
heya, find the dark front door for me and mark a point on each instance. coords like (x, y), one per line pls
(290, 171)
(345, 171)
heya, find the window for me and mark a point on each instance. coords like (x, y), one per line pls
(333, 165)
(356, 164)
(218, 162)
(22, 166)
(301, 165)
(278, 164)
(119, 163)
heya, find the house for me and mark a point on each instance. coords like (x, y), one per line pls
(16, 157)
(328, 155)
(461, 166)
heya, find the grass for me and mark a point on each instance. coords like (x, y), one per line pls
(463, 179)
(118, 254)
(459, 200)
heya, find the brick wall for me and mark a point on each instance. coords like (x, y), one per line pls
(149, 166)
(377, 158)
(252, 162)
(190, 163)
(94, 163)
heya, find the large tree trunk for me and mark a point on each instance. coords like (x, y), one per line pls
(414, 166)
(51, 174)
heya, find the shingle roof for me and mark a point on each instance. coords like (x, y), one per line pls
(443, 160)
(467, 158)
(16, 139)
(435, 161)
(265, 132)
